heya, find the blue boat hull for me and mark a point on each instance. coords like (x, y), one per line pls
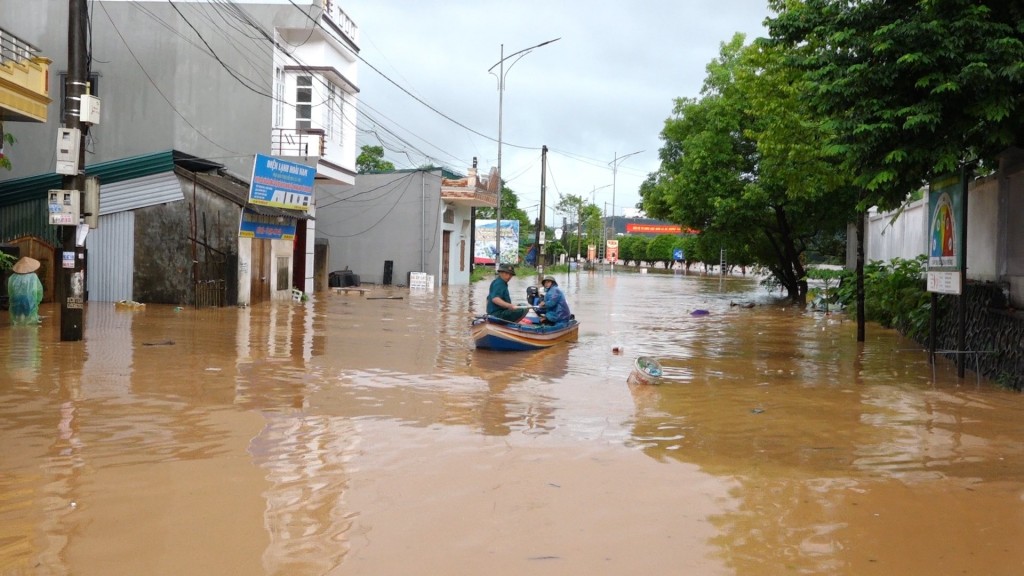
(494, 334)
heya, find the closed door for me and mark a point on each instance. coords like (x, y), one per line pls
(260, 281)
(446, 247)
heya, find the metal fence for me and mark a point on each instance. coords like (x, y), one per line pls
(211, 294)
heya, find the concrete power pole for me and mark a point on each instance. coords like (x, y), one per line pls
(543, 190)
(70, 288)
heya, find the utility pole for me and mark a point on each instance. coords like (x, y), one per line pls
(540, 229)
(70, 288)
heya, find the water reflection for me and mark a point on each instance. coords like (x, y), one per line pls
(23, 356)
(352, 434)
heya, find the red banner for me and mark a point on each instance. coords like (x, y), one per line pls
(634, 228)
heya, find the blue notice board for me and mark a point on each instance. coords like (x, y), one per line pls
(281, 184)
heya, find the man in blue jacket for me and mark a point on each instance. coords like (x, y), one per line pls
(555, 309)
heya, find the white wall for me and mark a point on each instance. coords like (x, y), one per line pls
(992, 232)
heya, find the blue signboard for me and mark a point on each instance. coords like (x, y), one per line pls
(677, 254)
(281, 184)
(255, 225)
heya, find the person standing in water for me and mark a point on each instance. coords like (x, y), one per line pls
(25, 292)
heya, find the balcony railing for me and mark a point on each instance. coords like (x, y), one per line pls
(303, 142)
(14, 49)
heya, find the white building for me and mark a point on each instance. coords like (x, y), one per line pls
(221, 81)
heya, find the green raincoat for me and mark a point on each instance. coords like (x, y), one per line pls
(25, 292)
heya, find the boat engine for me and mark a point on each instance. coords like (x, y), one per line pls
(533, 296)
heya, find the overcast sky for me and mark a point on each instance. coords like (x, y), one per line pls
(604, 90)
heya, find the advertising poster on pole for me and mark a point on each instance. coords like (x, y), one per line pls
(485, 249)
(945, 212)
(612, 251)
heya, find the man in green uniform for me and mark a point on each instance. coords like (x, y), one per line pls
(499, 303)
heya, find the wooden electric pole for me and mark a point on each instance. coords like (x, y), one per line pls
(70, 288)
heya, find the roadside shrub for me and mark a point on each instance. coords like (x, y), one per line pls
(895, 295)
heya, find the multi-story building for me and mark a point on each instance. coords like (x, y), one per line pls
(209, 80)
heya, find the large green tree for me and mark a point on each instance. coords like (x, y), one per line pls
(744, 162)
(910, 90)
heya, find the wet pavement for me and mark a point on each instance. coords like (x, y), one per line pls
(363, 435)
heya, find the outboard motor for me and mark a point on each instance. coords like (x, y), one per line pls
(532, 296)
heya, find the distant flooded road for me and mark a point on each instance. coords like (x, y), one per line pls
(364, 435)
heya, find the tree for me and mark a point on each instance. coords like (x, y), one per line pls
(6, 139)
(371, 159)
(911, 90)
(743, 162)
(661, 248)
(573, 207)
(509, 210)
(633, 248)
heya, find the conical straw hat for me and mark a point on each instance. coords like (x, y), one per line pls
(26, 265)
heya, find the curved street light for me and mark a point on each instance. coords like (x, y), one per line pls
(501, 93)
(593, 196)
(615, 168)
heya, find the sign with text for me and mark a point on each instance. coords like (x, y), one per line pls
(945, 215)
(612, 251)
(255, 225)
(643, 228)
(281, 184)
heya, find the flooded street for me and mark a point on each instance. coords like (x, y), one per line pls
(364, 435)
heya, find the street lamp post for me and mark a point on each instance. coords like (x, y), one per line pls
(593, 194)
(615, 168)
(501, 94)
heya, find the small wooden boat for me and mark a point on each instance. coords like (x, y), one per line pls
(496, 334)
(646, 370)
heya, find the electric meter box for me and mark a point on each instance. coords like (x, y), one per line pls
(64, 206)
(90, 111)
(68, 142)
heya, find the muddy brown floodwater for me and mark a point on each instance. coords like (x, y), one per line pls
(365, 436)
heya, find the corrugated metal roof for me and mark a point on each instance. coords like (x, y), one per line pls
(139, 193)
(32, 187)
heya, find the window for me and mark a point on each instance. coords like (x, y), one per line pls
(303, 102)
(278, 97)
(333, 118)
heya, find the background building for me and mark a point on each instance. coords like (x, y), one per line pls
(394, 223)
